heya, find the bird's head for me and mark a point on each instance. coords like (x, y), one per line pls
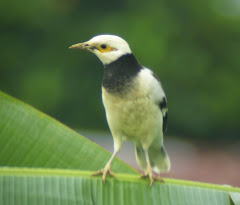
(107, 48)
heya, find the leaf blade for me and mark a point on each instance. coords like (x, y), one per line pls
(30, 138)
(79, 187)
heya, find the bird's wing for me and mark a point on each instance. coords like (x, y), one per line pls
(164, 109)
(162, 103)
(152, 86)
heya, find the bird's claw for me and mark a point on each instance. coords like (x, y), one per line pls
(104, 173)
(151, 177)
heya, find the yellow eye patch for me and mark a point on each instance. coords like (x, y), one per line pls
(105, 48)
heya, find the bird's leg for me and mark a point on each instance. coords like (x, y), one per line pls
(107, 169)
(148, 172)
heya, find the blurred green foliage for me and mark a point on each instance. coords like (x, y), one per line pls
(193, 46)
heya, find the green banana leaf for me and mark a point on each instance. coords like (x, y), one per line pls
(29, 138)
(53, 186)
(44, 162)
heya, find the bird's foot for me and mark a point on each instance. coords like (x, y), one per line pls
(151, 177)
(106, 170)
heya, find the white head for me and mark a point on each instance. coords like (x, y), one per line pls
(107, 48)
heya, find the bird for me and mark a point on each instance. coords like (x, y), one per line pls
(135, 105)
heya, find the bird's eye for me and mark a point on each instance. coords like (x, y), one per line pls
(103, 46)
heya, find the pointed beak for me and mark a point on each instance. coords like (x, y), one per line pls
(83, 46)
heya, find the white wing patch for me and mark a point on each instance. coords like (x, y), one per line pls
(152, 87)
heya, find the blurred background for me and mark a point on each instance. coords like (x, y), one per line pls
(193, 46)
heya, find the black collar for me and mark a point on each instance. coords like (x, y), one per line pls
(119, 74)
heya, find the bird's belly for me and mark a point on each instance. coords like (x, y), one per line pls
(134, 119)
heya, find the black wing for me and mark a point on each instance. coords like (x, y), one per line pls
(164, 109)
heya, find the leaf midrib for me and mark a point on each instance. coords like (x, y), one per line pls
(6, 171)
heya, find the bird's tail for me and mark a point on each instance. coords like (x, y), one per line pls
(158, 158)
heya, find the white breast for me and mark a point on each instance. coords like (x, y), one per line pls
(136, 116)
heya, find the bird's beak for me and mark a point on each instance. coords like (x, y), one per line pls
(83, 46)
